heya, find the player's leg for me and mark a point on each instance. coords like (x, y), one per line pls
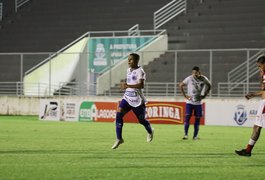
(198, 115)
(259, 123)
(254, 138)
(122, 110)
(252, 141)
(140, 114)
(189, 109)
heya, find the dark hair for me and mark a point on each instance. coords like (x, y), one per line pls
(261, 59)
(196, 68)
(135, 56)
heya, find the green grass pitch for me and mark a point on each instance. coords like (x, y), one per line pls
(33, 149)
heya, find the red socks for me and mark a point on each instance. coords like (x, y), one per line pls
(249, 148)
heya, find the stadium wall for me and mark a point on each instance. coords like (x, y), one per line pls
(224, 112)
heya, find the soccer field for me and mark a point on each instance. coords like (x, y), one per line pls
(33, 149)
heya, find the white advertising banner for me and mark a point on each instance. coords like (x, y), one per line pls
(77, 110)
(58, 110)
(231, 112)
(49, 109)
(69, 110)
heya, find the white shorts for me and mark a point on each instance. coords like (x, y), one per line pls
(260, 119)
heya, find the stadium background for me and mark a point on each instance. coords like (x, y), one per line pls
(53, 39)
(64, 48)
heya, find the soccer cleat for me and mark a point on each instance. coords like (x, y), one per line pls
(243, 152)
(150, 136)
(117, 143)
(185, 137)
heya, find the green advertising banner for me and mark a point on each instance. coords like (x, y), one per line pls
(97, 111)
(87, 111)
(104, 52)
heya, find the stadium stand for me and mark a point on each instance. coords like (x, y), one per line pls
(214, 24)
(47, 26)
(219, 24)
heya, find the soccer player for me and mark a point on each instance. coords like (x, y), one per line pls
(198, 86)
(133, 99)
(260, 118)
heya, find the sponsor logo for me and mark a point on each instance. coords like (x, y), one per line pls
(89, 112)
(100, 59)
(50, 110)
(252, 113)
(131, 93)
(69, 111)
(164, 112)
(134, 78)
(240, 115)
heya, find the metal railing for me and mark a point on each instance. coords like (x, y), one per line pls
(61, 89)
(241, 89)
(210, 61)
(73, 88)
(242, 73)
(81, 89)
(161, 89)
(19, 3)
(168, 89)
(96, 34)
(1, 11)
(168, 12)
(134, 31)
(211, 67)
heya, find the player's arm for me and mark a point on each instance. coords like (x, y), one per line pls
(209, 87)
(253, 94)
(140, 85)
(181, 86)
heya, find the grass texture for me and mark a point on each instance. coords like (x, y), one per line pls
(31, 149)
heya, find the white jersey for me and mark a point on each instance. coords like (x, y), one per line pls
(134, 96)
(196, 87)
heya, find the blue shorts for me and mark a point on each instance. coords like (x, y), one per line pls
(197, 109)
(139, 111)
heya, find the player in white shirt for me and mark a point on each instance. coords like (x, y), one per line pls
(198, 86)
(133, 99)
(260, 118)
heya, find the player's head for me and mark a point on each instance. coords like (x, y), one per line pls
(196, 72)
(133, 60)
(261, 62)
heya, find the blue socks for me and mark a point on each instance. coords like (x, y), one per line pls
(119, 125)
(140, 114)
(196, 126)
(147, 125)
(187, 124)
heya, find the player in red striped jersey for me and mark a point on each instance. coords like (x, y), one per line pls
(260, 119)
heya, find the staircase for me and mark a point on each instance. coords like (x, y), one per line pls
(49, 25)
(214, 24)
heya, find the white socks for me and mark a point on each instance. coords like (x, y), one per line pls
(251, 142)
